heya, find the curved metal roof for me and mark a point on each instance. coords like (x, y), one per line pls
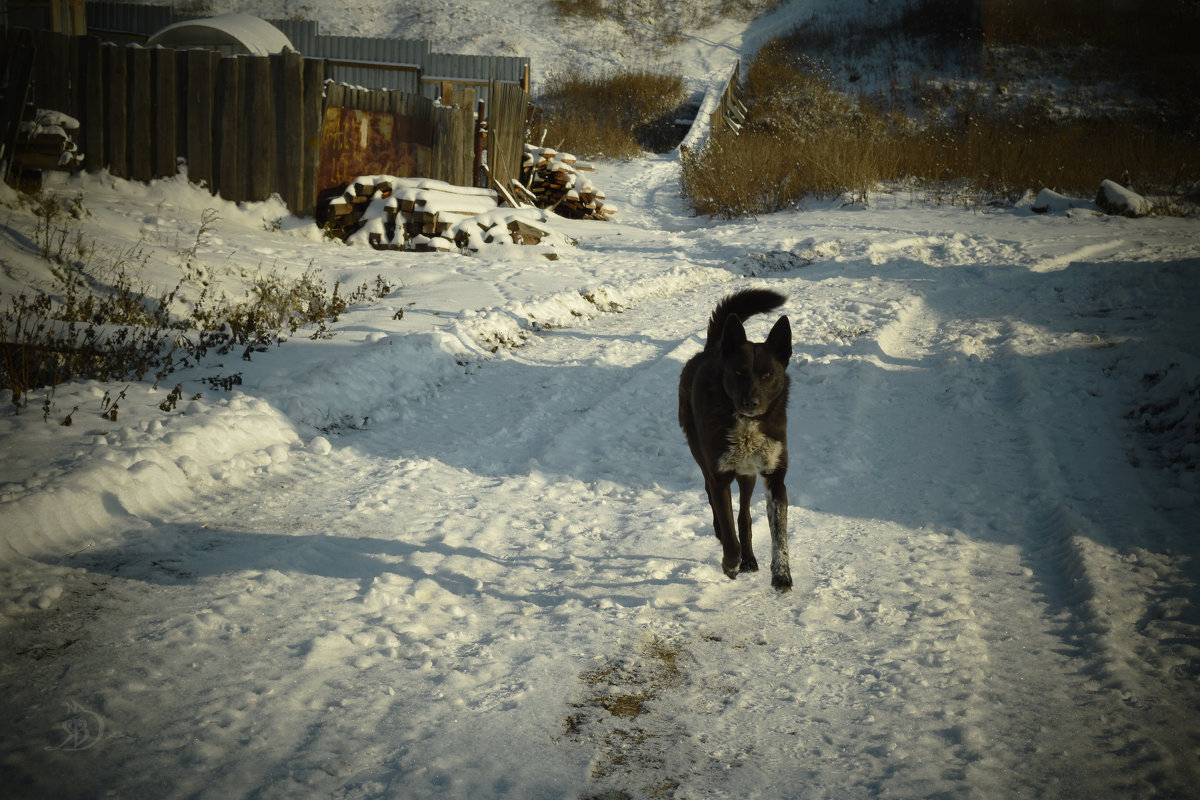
(243, 33)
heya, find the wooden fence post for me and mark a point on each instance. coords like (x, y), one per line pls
(314, 118)
(116, 117)
(287, 76)
(451, 160)
(140, 114)
(93, 104)
(259, 130)
(228, 110)
(165, 99)
(52, 74)
(201, 70)
(508, 106)
(477, 140)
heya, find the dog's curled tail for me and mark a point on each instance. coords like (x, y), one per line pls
(743, 304)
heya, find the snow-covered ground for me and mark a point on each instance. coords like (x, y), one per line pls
(416, 561)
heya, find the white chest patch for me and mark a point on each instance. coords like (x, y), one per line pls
(751, 452)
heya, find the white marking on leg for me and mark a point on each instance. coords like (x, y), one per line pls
(777, 518)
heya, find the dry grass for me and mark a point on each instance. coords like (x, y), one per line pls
(960, 139)
(615, 116)
(618, 716)
(94, 321)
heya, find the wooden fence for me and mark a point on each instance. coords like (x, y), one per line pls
(246, 126)
(730, 113)
(409, 65)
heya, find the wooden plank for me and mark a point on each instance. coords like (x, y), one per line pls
(228, 111)
(92, 118)
(314, 115)
(286, 177)
(116, 137)
(181, 105)
(260, 129)
(445, 132)
(201, 68)
(477, 176)
(49, 77)
(335, 94)
(140, 116)
(20, 67)
(507, 108)
(164, 112)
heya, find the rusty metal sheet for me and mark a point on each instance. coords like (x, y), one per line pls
(355, 143)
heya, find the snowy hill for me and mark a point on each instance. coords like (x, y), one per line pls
(459, 549)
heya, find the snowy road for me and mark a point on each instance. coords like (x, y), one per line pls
(505, 584)
(460, 549)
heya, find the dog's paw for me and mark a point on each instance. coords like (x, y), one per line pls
(782, 583)
(731, 569)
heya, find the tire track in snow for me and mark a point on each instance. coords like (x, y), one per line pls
(930, 469)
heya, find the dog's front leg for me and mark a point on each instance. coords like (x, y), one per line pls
(721, 500)
(777, 509)
(745, 494)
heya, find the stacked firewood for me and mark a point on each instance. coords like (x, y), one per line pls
(561, 183)
(46, 142)
(404, 213)
(426, 215)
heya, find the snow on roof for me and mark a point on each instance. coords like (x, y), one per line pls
(244, 32)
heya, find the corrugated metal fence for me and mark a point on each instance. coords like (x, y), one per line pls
(407, 65)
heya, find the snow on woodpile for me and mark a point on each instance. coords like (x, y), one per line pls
(1111, 198)
(1050, 201)
(562, 183)
(1114, 198)
(426, 215)
(46, 142)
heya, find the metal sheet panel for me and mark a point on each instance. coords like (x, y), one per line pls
(355, 143)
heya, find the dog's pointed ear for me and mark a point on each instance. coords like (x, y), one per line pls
(779, 340)
(733, 335)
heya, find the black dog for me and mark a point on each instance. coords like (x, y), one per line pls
(733, 408)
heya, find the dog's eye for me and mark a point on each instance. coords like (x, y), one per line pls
(767, 376)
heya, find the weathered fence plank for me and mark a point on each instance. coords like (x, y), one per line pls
(729, 113)
(453, 150)
(141, 115)
(259, 131)
(249, 126)
(314, 114)
(288, 73)
(201, 69)
(165, 93)
(228, 147)
(92, 118)
(508, 106)
(116, 110)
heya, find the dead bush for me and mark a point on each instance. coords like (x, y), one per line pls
(617, 115)
(951, 139)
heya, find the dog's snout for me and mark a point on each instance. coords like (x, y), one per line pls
(751, 404)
